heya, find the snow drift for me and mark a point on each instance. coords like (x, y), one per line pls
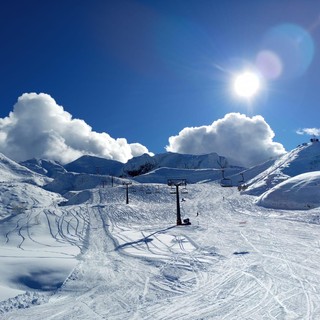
(301, 192)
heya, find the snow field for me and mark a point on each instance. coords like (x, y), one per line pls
(235, 261)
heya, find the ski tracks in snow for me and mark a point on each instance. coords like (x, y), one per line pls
(233, 262)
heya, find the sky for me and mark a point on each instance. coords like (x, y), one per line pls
(117, 79)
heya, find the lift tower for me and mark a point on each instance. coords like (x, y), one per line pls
(177, 183)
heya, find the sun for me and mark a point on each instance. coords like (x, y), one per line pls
(246, 84)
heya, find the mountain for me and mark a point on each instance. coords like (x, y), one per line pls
(145, 163)
(95, 165)
(48, 168)
(134, 167)
(162, 175)
(89, 171)
(304, 158)
(100, 258)
(20, 189)
(92, 255)
(11, 171)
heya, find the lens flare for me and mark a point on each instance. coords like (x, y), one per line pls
(286, 51)
(269, 64)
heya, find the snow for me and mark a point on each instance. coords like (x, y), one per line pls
(140, 165)
(301, 192)
(96, 257)
(304, 158)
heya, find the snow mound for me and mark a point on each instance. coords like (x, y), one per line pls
(301, 192)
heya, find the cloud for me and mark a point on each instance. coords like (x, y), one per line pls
(243, 140)
(39, 128)
(309, 131)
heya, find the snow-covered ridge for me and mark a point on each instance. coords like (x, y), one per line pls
(134, 167)
(48, 168)
(304, 158)
(12, 171)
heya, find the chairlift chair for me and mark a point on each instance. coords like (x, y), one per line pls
(226, 182)
(242, 178)
(184, 190)
(172, 190)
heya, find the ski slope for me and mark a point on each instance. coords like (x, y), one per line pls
(102, 259)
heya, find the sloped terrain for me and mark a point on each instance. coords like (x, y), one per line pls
(132, 262)
(301, 192)
(96, 257)
(305, 158)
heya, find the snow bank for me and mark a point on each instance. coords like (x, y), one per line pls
(298, 193)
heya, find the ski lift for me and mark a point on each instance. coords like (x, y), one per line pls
(226, 182)
(184, 190)
(242, 178)
(173, 190)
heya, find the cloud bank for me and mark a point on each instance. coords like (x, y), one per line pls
(309, 131)
(39, 128)
(243, 140)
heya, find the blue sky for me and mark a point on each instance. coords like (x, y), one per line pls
(145, 70)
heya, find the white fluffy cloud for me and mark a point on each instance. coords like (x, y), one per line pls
(39, 127)
(243, 140)
(309, 131)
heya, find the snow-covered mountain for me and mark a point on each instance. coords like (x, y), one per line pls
(96, 257)
(134, 167)
(304, 158)
(145, 163)
(20, 188)
(48, 168)
(11, 171)
(95, 165)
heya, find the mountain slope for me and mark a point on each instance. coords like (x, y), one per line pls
(305, 158)
(12, 171)
(301, 192)
(97, 257)
(48, 168)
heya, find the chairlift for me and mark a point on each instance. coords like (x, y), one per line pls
(184, 190)
(242, 178)
(172, 190)
(226, 182)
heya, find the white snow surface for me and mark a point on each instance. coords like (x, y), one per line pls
(12, 171)
(100, 258)
(304, 158)
(301, 192)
